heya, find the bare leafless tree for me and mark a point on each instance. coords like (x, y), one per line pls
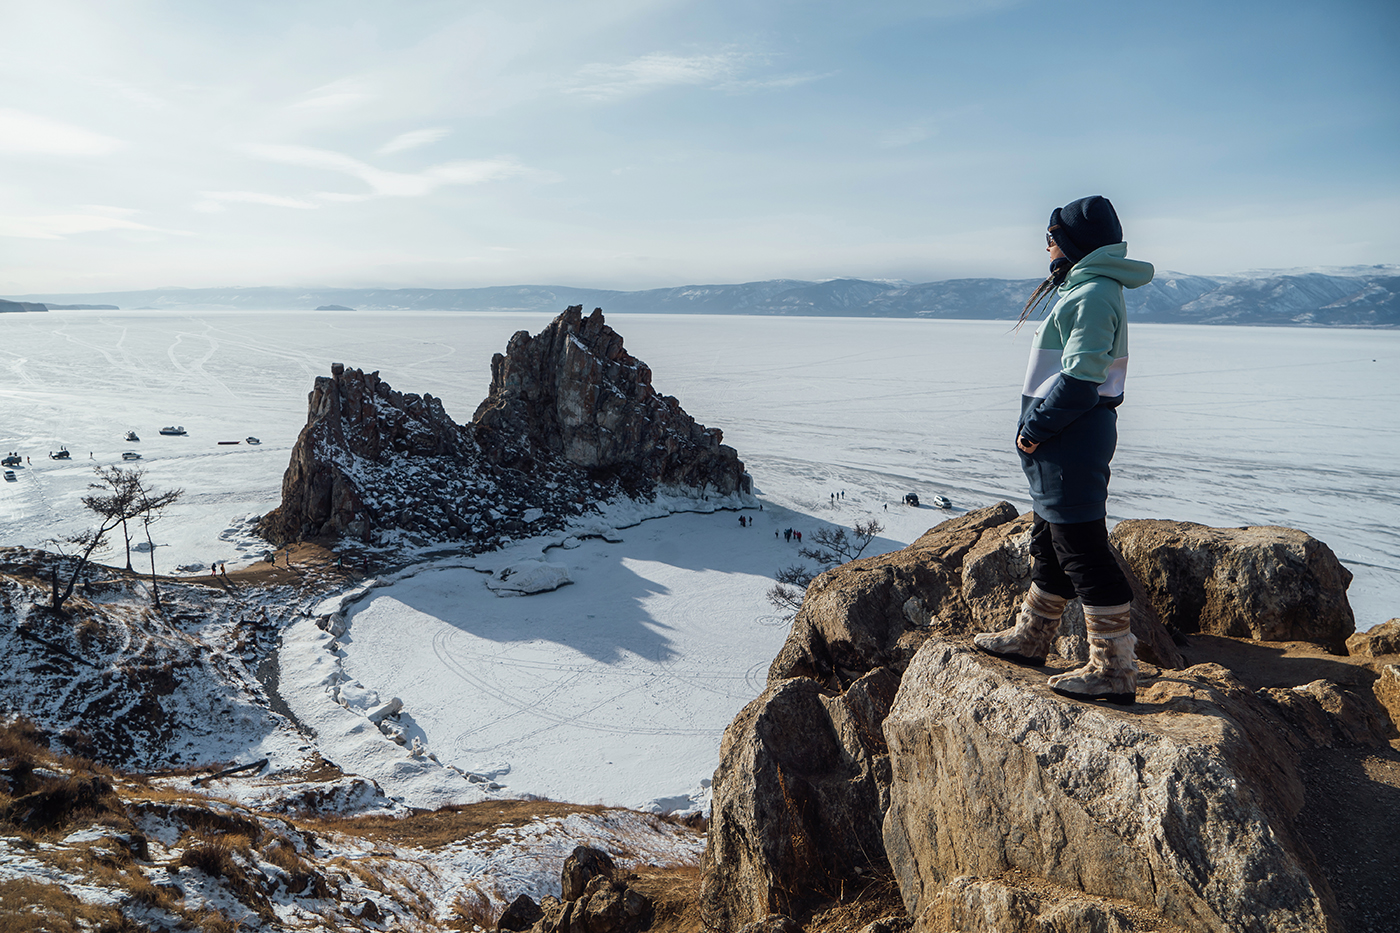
(831, 546)
(118, 499)
(786, 594)
(151, 506)
(122, 497)
(86, 541)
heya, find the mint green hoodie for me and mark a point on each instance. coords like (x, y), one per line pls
(1086, 334)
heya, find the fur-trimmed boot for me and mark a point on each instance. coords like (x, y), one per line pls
(1111, 673)
(1029, 640)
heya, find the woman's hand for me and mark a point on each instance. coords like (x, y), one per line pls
(1025, 445)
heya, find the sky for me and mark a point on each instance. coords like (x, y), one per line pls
(647, 143)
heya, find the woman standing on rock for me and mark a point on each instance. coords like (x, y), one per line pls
(1066, 437)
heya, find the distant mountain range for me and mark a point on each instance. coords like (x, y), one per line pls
(1366, 296)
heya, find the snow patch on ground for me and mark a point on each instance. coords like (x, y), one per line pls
(525, 577)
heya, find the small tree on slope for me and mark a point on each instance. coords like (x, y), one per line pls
(124, 496)
(831, 546)
(151, 505)
(119, 499)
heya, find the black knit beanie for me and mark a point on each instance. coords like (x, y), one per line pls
(1082, 226)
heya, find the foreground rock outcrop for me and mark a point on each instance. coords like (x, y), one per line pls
(1001, 806)
(1184, 809)
(571, 419)
(1267, 583)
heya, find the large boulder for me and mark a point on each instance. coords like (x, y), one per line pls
(967, 574)
(594, 898)
(1262, 582)
(803, 780)
(1010, 803)
(354, 453)
(797, 800)
(1005, 807)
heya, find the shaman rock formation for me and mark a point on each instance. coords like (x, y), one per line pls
(885, 745)
(570, 419)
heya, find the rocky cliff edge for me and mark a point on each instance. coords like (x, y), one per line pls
(1249, 788)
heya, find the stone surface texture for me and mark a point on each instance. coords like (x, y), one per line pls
(594, 898)
(1001, 806)
(1265, 582)
(571, 419)
(803, 779)
(1183, 808)
(573, 391)
(1380, 641)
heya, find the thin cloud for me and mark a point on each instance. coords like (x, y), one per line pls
(412, 140)
(908, 134)
(59, 226)
(775, 83)
(389, 184)
(30, 134)
(338, 95)
(657, 70)
(214, 201)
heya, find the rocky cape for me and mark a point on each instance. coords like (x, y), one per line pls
(1236, 794)
(571, 419)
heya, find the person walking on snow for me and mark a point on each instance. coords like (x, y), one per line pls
(1065, 437)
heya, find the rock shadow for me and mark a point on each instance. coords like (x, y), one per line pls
(569, 616)
(1351, 821)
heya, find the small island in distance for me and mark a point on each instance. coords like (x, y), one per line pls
(334, 308)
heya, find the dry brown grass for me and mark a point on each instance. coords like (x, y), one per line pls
(211, 921)
(149, 894)
(877, 899)
(215, 821)
(22, 740)
(303, 880)
(50, 805)
(228, 858)
(674, 894)
(211, 855)
(428, 830)
(27, 906)
(474, 910)
(379, 875)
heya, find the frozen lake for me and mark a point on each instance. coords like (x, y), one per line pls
(616, 689)
(1225, 426)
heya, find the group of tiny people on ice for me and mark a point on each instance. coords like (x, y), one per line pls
(1065, 439)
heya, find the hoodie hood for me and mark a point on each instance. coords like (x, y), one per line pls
(1110, 262)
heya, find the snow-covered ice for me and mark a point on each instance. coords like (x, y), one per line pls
(616, 687)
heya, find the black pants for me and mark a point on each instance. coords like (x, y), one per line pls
(1075, 560)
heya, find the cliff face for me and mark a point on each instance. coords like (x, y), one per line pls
(885, 745)
(573, 392)
(571, 418)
